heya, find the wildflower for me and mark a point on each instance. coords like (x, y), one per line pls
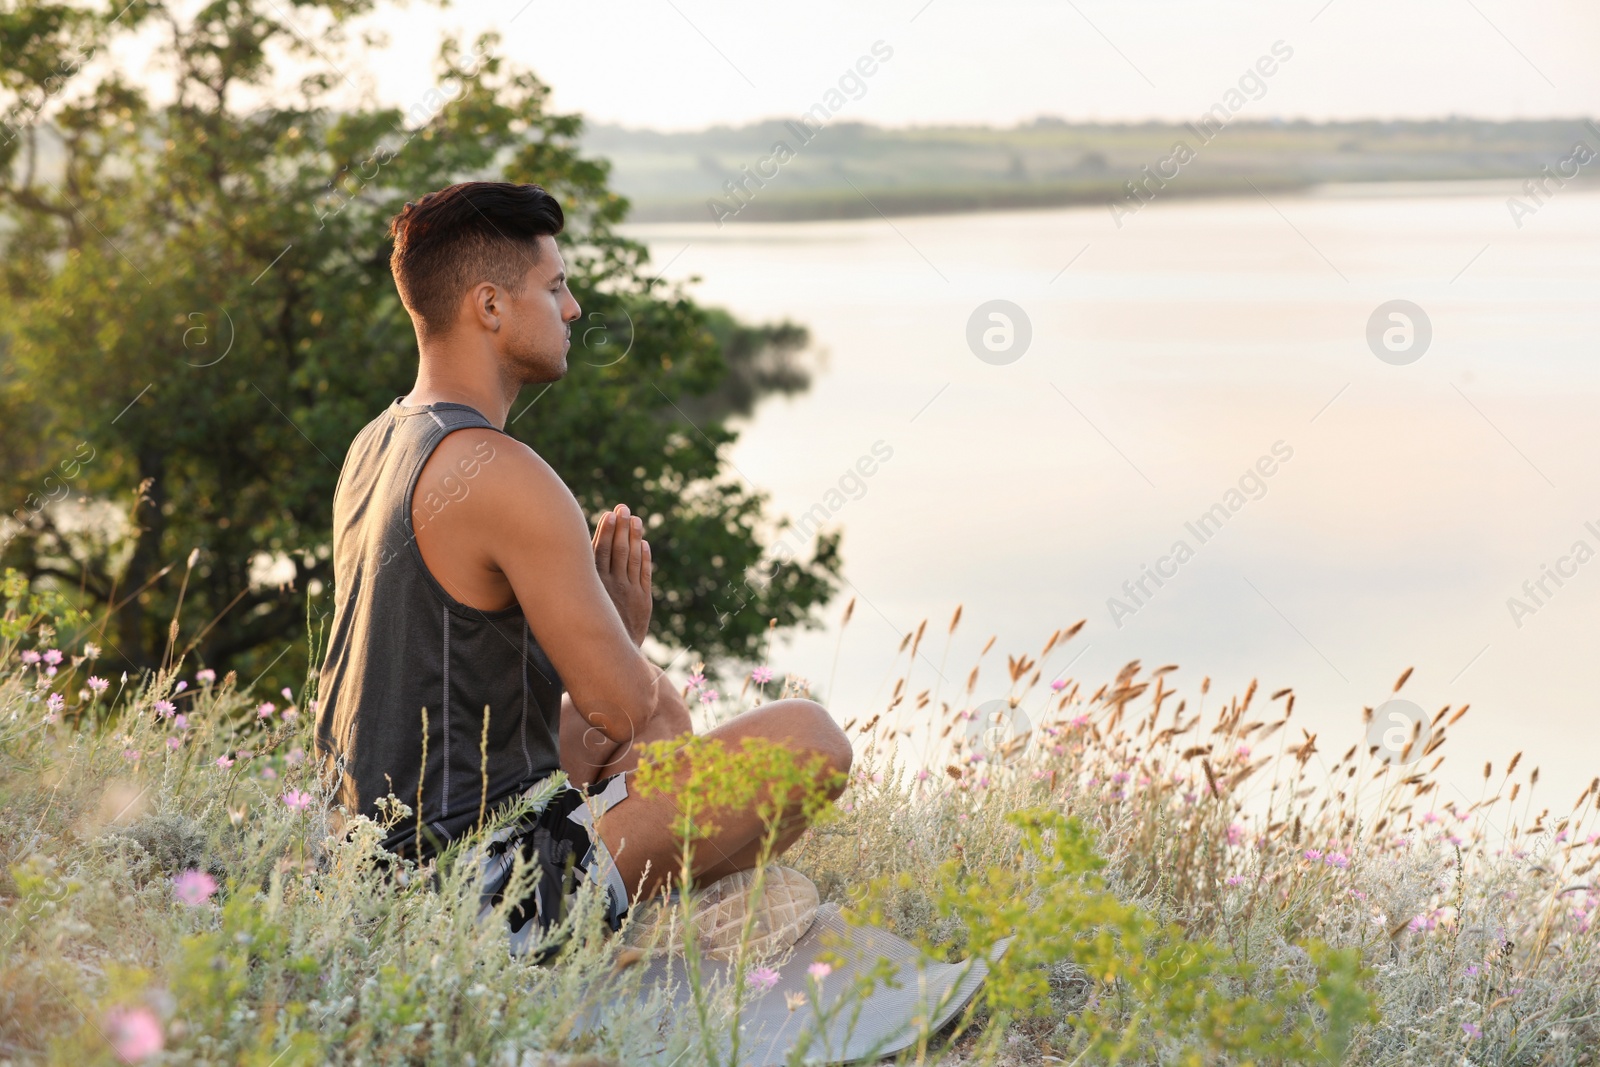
(51, 672)
(1336, 859)
(924, 774)
(763, 978)
(1235, 834)
(1235, 879)
(52, 656)
(245, 753)
(289, 714)
(1470, 1030)
(1079, 720)
(166, 708)
(56, 704)
(193, 888)
(295, 757)
(696, 680)
(180, 722)
(135, 1033)
(297, 799)
(224, 762)
(1120, 777)
(268, 772)
(1313, 854)
(205, 676)
(91, 650)
(1431, 817)
(174, 742)
(130, 754)
(794, 1000)
(983, 783)
(819, 970)
(30, 657)
(1472, 970)
(709, 696)
(98, 684)
(288, 694)
(1058, 685)
(761, 675)
(1455, 840)
(266, 709)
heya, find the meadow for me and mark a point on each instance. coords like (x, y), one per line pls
(1185, 876)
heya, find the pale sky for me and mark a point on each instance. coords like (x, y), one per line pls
(687, 64)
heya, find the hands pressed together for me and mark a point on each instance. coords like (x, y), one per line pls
(622, 556)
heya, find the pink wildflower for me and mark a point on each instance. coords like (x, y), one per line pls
(206, 676)
(98, 684)
(295, 757)
(52, 656)
(696, 680)
(56, 703)
(761, 675)
(166, 708)
(1471, 1031)
(130, 754)
(1058, 685)
(180, 722)
(819, 970)
(1235, 879)
(135, 1033)
(266, 709)
(193, 888)
(297, 799)
(30, 657)
(708, 697)
(1313, 853)
(174, 743)
(1336, 859)
(180, 687)
(763, 978)
(224, 762)
(1235, 834)
(268, 772)
(288, 694)
(1079, 720)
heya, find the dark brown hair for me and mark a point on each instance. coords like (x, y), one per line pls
(467, 233)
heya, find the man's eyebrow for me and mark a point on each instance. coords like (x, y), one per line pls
(560, 277)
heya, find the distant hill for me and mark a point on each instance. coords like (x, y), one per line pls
(852, 169)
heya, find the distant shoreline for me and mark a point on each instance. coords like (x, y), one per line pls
(849, 170)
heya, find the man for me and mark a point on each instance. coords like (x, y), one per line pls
(481, 639)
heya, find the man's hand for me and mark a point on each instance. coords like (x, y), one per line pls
(622, 556)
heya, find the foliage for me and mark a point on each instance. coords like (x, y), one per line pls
(1157, 913)
(199, 318)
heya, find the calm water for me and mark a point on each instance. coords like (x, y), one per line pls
(1405, 505)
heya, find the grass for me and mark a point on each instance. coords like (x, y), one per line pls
(1181, 885)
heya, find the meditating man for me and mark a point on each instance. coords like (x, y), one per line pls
(481, 639)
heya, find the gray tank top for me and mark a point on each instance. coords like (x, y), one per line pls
(401, 644)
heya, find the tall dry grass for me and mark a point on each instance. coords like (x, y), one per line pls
(1216, 816)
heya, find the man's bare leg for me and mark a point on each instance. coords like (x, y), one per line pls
(641, 831)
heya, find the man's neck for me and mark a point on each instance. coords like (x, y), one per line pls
(451, 379)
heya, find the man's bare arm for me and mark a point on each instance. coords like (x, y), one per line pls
(519, 535)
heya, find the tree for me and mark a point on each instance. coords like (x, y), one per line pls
(199, 317)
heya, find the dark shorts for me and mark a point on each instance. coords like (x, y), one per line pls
(561, 844)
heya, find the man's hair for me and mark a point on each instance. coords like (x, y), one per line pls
(472, 232)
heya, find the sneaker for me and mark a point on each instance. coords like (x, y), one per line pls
(787, 908)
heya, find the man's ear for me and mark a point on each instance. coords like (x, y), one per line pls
(487, 306)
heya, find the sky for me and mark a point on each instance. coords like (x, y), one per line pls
(688, 64)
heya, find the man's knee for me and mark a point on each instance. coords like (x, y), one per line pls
(826, 739)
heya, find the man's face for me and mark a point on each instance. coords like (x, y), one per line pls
(537, 320)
